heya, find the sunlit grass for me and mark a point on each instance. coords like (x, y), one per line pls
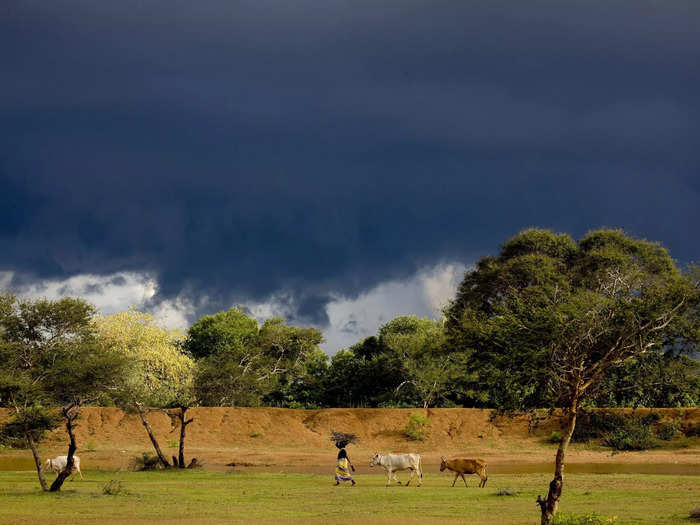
(213, 497)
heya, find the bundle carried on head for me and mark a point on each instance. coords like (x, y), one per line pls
(342, 439)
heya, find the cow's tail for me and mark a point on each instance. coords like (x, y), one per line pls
(420, 467)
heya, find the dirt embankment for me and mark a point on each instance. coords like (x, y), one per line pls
(264, 436)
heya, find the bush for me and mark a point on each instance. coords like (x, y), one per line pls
(667, 430)
(590, 518)
(507, 492)
(173, 444)
(146, 461)
(692, 430)
(90, 447)
(640, 438)
(418, 427)
(113, 488)
(600, 423)
(257, 433)
(622, 431)
(556, 437)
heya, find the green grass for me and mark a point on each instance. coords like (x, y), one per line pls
(214, 497)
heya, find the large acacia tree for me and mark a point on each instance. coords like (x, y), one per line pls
(548, 319)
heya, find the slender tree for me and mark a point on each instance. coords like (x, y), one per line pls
(159, 374)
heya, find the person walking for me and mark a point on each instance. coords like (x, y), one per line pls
(342, 468)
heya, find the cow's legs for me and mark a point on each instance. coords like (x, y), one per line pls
(464, 479)
(396, 478)
(388, 477)
(483, 481)
(410, 477)
(455, 480)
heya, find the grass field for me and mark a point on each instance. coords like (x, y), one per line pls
(214, 497)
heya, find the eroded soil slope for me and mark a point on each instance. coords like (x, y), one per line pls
(109, 438)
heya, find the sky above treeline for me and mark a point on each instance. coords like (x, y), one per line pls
(334, 162)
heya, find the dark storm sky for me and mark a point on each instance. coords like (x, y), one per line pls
(242, 148)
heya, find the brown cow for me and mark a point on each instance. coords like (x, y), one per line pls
(462, 466)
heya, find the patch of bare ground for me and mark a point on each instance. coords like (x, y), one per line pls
(299, 439)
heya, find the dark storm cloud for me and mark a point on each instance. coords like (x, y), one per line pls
(240, 149)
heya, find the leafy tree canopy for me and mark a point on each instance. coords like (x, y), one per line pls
(549, 317)
(226, 331)
(160, 373)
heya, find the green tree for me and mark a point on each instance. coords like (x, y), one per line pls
(52, 357)
(418, 349)
(160, 374)
(548, 319)
(223, 332)
(240, 363)
(651, 380)
(366, 375)
(297, 350)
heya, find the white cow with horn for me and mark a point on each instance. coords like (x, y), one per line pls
(392, 463)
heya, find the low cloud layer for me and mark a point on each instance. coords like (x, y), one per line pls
(346, 320)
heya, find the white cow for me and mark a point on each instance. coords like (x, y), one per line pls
(59, 463)
(392, 463)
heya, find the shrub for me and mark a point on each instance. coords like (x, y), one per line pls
(173, 444)
(90, 447)
(113, 488)
(619, 431)
(556, 437)
(507, 492)
(418, 427)
(590, 518)
(639, 438)
(257, 433)
(146, 461)
(692, 430)
(666, 430)
(599, 423)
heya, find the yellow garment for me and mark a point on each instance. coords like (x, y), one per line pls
(342, 469)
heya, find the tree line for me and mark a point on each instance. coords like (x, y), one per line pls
(549, 321)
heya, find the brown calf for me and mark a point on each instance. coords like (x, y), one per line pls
(462, 466)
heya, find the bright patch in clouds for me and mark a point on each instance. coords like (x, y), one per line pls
(109, 293)
(424, 295)
(350, 318)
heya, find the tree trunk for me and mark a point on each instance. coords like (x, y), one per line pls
(551, 504)
(183, 427)
(37, 460)
(149, 431)
(71, 414)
